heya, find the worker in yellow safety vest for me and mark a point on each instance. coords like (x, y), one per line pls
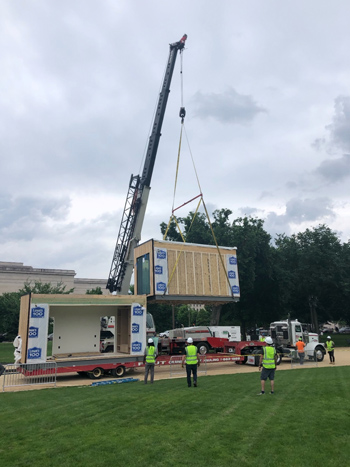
(149, 358)
(267, 364)
(192, 362)
(330, 350)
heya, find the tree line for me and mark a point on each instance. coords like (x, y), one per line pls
(305, 276)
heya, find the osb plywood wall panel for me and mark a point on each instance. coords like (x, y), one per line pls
(199, 270)
(174, 285)
(197, 273)
(23, 325)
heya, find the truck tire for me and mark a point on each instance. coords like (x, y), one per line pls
(96, 373)
(243, 362)
(319, 354)
(119, 372)
(203, 348)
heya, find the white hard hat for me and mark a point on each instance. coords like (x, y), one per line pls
(190, 340)
(150, 341)
(268, 340)
(328, 337)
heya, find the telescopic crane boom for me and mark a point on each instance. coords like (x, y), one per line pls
(139, 188)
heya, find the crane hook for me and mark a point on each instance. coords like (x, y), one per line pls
(182, 114)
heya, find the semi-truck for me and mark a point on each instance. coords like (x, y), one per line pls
(285, 334)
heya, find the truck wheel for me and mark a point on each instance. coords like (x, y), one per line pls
(203, 348)
(96, 373)
(119, 371)
(243, 362)
(319, 354)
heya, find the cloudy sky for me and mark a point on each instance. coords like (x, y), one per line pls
(266, 86)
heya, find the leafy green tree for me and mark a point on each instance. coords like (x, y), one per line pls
(95, 291)
(257, 304)
(10, 303)
(9, 313)
(195, 229)
(162, 315)
(315, 273)
(222, 227)
(44, 288)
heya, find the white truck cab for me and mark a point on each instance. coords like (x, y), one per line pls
(286, 333)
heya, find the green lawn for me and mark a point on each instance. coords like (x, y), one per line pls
(7, 352)
(221, 423)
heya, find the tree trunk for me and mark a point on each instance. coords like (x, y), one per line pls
(215, 315)
(314, 319)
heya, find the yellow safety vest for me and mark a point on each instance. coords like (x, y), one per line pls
(330, 345)
(269, 357)
(151, 354)
(262, 339)
(191, 355)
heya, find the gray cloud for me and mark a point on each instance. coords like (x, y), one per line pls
(78, 90)
(24, 218)
(248, 211)
(334, 170)
(339, 128)
(301, 210)
(227, 107)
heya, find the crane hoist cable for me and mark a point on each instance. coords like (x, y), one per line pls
(182, 115)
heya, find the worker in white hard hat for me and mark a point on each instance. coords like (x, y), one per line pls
(17, 343)
(267, 365)
(149, 359)
(191, 357)
(330, 350)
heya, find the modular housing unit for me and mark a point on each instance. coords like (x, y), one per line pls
(186, 273)
(76, 321)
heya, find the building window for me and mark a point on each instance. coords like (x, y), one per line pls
(143, 275)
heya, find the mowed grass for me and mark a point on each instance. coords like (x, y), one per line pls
(7, 352)
(221, 423)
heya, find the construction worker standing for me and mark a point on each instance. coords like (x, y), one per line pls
(192, 361)
(330, 349)
(267, 365)
(150, 360)
(300, 345)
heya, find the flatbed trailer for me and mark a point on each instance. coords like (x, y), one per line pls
(174, 346)
(95, 367)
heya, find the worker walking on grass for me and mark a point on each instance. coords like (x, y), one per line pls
(267, 365)
(149, 358)
(300, 345)
(330, 349)
(192, 362)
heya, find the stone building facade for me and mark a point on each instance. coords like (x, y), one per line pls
(14, 275)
